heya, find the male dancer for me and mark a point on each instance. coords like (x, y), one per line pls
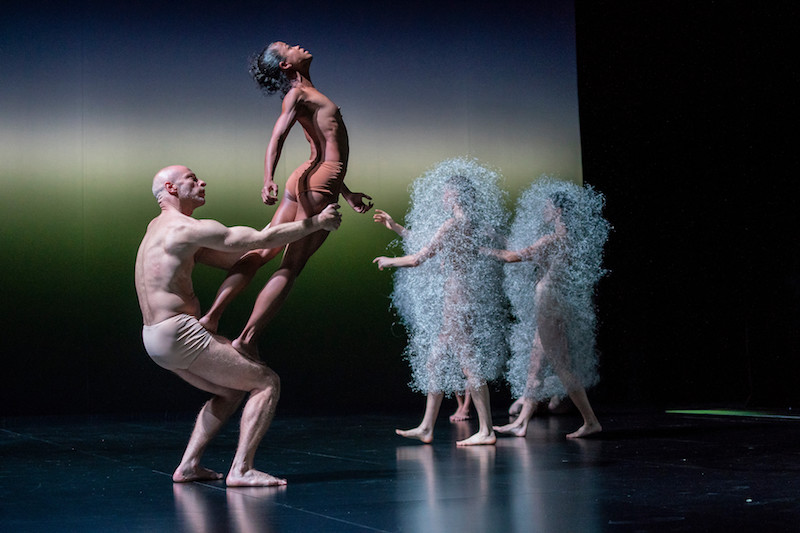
(174, 338)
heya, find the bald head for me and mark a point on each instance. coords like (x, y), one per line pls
(167, 174)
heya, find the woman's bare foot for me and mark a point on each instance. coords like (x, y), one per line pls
(253, 478)
(514, 428)
(424, 435)
(251, 352)
(478, 439)
(586, 430)
(185, 474)
(209, 324)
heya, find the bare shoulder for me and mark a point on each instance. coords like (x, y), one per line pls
(194, 229)
(295, 96)
(313, 98)
(180, 232)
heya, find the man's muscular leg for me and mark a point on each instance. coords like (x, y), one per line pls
(214, 414)
(218, 370)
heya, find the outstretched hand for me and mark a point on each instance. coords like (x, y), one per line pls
(383, 262)
(382, 217)
(356, 201)
(330, 218)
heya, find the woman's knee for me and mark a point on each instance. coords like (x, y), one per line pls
(252, 261)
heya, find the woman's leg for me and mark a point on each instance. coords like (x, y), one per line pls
(462, 412)
(552, 332)
(519, 427)
(485, 434)
(424, 432)
(277, 289)
(243, 272)
(515, 407)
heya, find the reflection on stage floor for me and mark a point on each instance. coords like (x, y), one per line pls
(648, 471)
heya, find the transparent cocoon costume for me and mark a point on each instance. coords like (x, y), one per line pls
(440, 359)
(576, 271)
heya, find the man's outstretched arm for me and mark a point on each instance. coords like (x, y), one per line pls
(214, 235)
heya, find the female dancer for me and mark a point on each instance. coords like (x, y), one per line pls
(453, 307)
(315, 184)
(553, 341)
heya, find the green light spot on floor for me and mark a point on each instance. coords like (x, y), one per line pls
(733, 412)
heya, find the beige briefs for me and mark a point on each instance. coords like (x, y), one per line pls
(176, 342)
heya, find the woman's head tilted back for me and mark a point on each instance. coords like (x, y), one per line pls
(265, 68)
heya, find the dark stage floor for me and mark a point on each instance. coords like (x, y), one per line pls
(647, 472)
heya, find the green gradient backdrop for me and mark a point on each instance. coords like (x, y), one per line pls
(96, 99)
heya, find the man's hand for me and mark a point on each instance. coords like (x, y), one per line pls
(330, 218)
(269, 194)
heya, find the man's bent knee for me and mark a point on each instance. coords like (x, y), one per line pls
(270, 380)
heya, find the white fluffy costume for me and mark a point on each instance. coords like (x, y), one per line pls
(452, 304)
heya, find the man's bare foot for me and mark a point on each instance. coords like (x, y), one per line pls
(185, 474)
(460, 415)
(253, 478)
(516, 407)
(478, 440)
(424, 435)
(249, 351)
(586, 430)
(517, 430)
(209, 324)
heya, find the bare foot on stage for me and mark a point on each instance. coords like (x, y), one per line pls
(424, 435)
(478, 440)
(586, 430)
(198, 473)
(517, 430)
(253, 478)
(249, 351)
(208, 324)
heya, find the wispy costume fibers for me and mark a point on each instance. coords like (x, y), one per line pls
(561, 282)
(452, 304)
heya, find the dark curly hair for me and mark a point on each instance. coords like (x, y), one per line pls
(265, 69)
